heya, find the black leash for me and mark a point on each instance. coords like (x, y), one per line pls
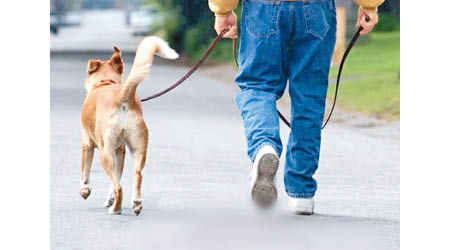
(341, 66)
(338, 80)
(214, 44)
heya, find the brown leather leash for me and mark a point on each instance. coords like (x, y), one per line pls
(214, 44)
(191, 71)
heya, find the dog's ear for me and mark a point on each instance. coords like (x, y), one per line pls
(93, 66)
(116, 60)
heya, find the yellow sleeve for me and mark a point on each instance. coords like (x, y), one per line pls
(369, 5)
(222, 7)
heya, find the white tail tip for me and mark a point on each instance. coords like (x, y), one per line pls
(164, 50)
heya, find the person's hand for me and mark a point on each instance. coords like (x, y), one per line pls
(366, 19)
(226, 22)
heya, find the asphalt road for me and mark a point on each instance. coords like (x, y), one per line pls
(196, 191)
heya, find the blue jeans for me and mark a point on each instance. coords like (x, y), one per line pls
(283, 41)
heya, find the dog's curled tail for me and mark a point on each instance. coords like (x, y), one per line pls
(147, 49)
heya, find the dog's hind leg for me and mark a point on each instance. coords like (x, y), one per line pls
(138, 162)
(138, 146)
(120, 154)
(108, 158)
(87, 153)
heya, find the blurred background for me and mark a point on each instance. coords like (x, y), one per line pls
(195, 184)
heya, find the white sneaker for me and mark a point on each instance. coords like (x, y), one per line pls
(303, 206)
(263, 177)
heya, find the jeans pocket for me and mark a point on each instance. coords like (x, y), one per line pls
(317, 17)
(260, 17)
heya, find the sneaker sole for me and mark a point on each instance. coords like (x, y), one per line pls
(264, 192)
(302, 210)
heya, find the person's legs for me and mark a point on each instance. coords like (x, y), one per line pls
(310, 51)
(261, 76)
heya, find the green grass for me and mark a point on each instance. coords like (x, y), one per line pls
(371, 77)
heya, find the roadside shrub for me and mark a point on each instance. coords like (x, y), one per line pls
(189, 27)
(389, 16)
(388, 22)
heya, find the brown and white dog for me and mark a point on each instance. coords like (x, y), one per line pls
(111, 118)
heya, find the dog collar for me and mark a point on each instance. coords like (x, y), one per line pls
(104, 83)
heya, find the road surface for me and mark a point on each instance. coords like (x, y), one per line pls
(196, 186)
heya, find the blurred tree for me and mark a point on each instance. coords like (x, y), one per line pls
(99, 4)
(189, 27)
(391, 6)
(65, 5)
(389, 16)
(189, 14)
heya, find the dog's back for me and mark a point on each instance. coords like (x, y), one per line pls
(106, 94)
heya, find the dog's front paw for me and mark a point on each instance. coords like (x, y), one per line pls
(137, 206)
(85, 192)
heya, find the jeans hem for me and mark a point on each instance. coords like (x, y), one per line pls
(253, 155)
(302, 195)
